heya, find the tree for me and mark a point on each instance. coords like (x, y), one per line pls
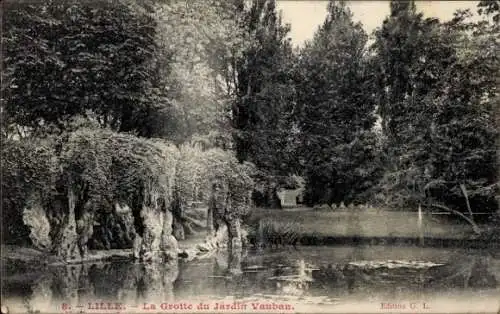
(93, 59)
(205, 38)
(491, 7)
(489, 31)
(410, 57)
(264, 90)
(437, 111)
(335, 111)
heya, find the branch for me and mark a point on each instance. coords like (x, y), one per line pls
(475, 227)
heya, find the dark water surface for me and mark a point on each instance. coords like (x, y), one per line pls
(328, 279)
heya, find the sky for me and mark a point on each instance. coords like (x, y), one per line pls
(305, 16)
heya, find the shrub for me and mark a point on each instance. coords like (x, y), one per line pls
(101, 166)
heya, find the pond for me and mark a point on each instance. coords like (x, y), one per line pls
(309, 278)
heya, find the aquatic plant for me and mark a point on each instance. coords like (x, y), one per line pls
(271, 232)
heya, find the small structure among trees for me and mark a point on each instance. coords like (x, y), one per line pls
(292, 197)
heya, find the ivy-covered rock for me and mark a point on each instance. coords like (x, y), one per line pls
(36, 219)
(29, 173)
(107, 181)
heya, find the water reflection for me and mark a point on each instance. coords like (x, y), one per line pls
(310, 272)
(466, 272)
(234, 263)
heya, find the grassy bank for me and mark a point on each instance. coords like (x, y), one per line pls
(327, 227)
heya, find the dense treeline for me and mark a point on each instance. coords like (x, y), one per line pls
(151, 106)
(409, 119)
(438, 109)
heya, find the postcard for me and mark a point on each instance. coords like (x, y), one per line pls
(250, 156)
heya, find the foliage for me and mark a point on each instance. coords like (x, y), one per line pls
(100, 166)
(198, 170)
(264, 91)
(275, 232)
(108, 167)
(231, 182)
(29, 171)
(491, 7)
(104, 168)
(191, 174)
(204, 36)
(267, 186)
(120, 81)
(335, 111)
(95, 59)
(192, 189)
(438, 110)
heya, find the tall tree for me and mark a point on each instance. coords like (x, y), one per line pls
(489, 33)
(436, 110)
(335, 111)
(264, 89)
(410, 59)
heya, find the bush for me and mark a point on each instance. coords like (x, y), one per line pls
(101, 166)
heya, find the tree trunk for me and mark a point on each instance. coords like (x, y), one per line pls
(475, 227)
(210, 220)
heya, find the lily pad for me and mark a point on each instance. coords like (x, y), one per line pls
(392, 264)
